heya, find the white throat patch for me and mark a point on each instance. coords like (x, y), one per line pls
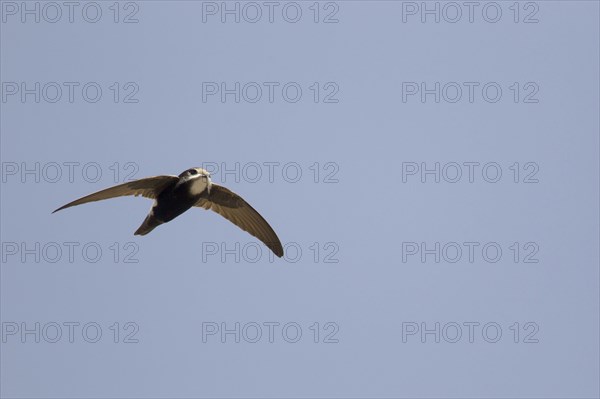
(199, 184)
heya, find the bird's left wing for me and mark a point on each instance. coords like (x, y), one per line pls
(233, 208)
(148, 187)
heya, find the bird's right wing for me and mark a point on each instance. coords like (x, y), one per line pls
(149, 187)
(233, 208)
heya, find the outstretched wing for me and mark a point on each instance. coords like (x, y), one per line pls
(149, 187)
(233, 208)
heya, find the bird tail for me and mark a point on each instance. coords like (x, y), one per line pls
(150, 223)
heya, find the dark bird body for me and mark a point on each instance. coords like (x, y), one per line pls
(172, 201)
(174, 195)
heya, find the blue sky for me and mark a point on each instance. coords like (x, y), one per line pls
(435, 185)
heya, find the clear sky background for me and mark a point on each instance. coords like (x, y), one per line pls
(361, 235)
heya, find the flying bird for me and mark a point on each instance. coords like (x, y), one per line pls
(173, 195)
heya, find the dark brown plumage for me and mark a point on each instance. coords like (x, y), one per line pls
(174, 195)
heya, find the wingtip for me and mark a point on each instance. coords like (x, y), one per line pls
(61, 208)
(278, 250)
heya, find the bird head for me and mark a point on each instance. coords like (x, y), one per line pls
(202, 176)
(195, 172)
